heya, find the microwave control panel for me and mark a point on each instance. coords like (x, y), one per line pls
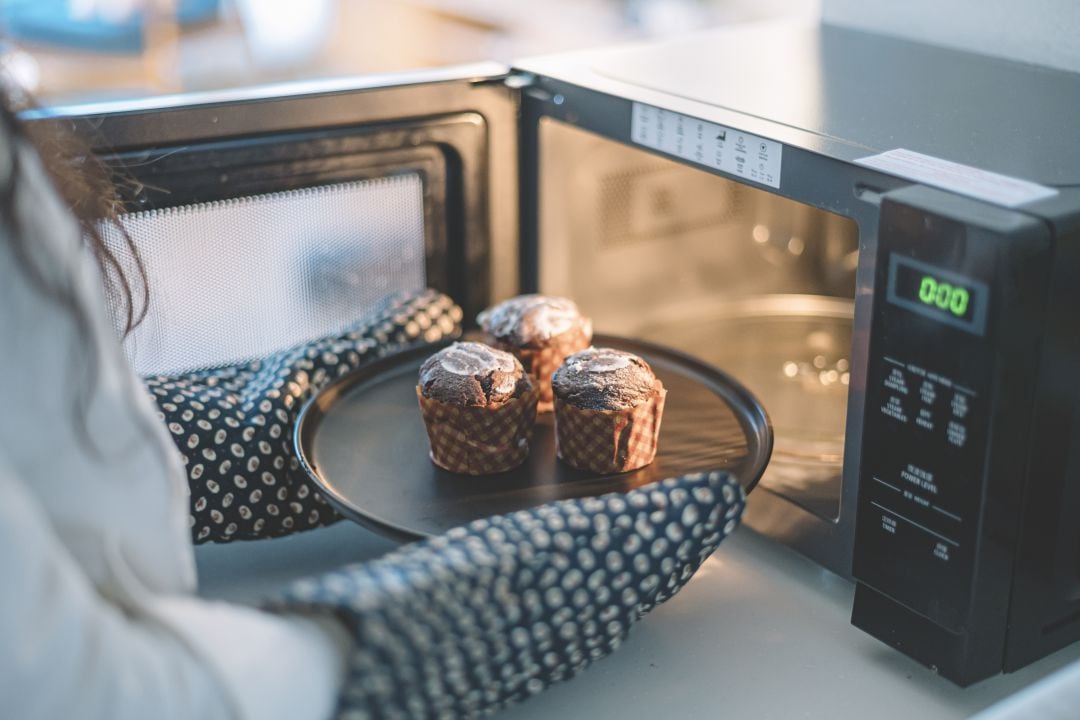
(928, 404)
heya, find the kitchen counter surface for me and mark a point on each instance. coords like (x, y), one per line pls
(760, 632)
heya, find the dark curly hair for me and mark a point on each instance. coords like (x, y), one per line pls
(87, 187)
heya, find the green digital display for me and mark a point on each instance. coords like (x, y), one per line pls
(944, 295)
(940, 293)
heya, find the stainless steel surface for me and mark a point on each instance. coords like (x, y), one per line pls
(239, 279)
(633, 237)
(761, 632)
(482, 71)
(848, 94)
(757, 284)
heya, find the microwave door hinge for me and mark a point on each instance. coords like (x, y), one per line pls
(526, 84)
(517, 80)
(512, 79)
(869, 194)
(517, 83)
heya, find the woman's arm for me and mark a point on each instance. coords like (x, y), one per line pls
(233, 425)
(69, 652)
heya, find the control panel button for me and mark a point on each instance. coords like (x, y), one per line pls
(916, 488)
(896, 381)
(894, 408)
(957, 434)
(959, 405)
(925, 420)
(920, 408)
(896, 523)
(928, 392)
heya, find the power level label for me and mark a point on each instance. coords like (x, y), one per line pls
(705, 143)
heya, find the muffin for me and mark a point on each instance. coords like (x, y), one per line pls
(541, 331)
(479, 408)
(608, 407)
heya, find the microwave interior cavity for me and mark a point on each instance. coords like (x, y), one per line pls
(752, 282)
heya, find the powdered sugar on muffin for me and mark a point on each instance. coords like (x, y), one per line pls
(469, 373)
(604, 379)
(533, 320)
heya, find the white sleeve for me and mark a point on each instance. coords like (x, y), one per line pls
(65, 651)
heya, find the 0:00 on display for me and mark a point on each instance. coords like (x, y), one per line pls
(943, 295)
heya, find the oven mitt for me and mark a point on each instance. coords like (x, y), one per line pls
(234, 425)
(495, 611)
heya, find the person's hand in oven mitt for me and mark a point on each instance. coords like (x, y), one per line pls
(234, 425)
(495, 611)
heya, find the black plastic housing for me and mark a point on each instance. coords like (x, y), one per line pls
(965, 555)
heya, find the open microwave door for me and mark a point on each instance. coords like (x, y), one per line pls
(318, 199)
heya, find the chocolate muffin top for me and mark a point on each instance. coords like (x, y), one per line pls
(603, 379)
(533, 320)
(469, 373)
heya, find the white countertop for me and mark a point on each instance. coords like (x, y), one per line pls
(760, 632)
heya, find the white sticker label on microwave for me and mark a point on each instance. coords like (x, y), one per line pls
(705, 143)
(962, 179)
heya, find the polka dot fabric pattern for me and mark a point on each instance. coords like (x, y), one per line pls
(234, 425)
(495, 611)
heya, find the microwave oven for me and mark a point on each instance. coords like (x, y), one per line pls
(879, 238)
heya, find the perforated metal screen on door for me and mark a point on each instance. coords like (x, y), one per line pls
(238, 279)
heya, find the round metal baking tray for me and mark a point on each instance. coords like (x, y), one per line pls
(362, 441)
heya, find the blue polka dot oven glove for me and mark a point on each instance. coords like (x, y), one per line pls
(495, 611)
(233, 425)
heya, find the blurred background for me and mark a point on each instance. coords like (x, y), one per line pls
(86, 50)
